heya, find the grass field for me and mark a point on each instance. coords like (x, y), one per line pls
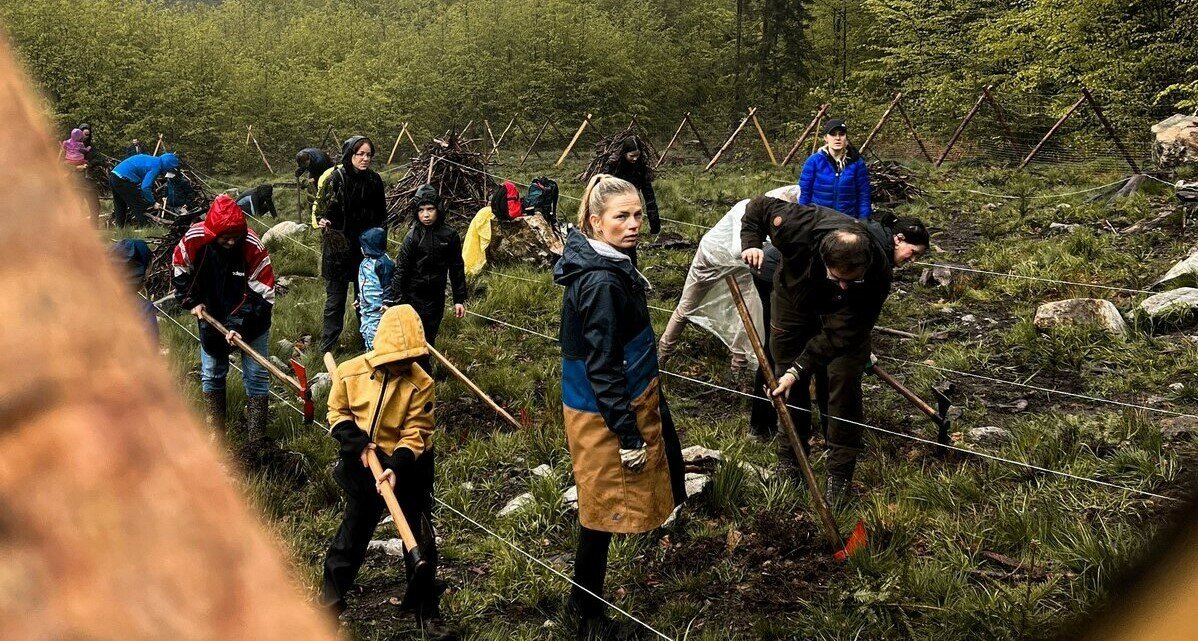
(961, 547)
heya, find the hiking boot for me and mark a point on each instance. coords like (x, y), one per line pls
(214, 411)
(434, 628)
(835, 490)
(604, 628)
(257, 411)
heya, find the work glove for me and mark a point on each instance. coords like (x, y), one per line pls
(352, 439)
(401, 461)
(634, 459)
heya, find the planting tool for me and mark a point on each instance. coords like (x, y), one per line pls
(420, 564)
(857, 539)
(939, 415)
(299, 382)
(474, 388)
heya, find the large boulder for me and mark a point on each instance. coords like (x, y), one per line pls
(529, 240)
(1176, 140)
(1081, 311)
(285, 228)
(1174, 308)
(1183, 274)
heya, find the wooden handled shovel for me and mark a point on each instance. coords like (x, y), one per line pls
(827, 523)
(939, 415)
(419, 562)
(299, 382)
(474, 388)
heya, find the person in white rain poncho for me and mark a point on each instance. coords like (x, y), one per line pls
(707, 302)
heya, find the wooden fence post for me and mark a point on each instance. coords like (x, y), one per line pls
(915, 134)
(1002, 122)
(158, 145)
(698, 136)
(662, 157)
(323, 141)
(1035, 150)
(573, 141)
(1106, 124)
(534, 142)
(806, 132)
(396, 145)
(764, 141)
(728, 143)
(881, 121)
(251, 136)
(497, 141)
(952, 140)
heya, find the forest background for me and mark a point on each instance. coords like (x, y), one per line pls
(201, 72)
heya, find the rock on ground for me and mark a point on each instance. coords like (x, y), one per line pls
(517, 504)
(1177, 307)
(390, 547)
(1176, 140)
(1179, 428)
(1183, 274)
(989, 436)
(529, 240)
(285, 228)
(1081, 311)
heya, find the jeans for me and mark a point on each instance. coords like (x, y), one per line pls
(213, 369)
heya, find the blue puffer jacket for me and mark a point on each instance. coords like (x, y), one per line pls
(847, 191)
(374, 276)
(142, 169)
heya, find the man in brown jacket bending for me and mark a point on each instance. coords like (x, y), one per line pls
(834, 276)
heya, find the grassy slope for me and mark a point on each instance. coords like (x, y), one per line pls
(746, 560)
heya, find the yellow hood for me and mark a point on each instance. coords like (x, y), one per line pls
(400, 337)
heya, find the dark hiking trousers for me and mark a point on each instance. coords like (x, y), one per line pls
(838, 390)
(590, 569)
(334, 311)
(431, 313)
(127, 202)
(363, 508)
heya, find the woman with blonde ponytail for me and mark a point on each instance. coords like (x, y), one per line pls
(626, 455)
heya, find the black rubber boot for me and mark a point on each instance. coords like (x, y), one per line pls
(214, 411)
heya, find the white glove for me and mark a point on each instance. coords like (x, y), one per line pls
(634, 459)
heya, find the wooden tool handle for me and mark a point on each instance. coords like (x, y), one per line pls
(827, 523)
(240, 344)
(474, 388)
(401, 523)
(907, 394)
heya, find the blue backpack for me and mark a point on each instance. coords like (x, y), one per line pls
(542, 198)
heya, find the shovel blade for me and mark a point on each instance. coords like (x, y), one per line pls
(856, 542)
(305, 394)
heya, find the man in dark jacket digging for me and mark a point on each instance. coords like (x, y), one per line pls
(350, 199)
(430, 255)
(834, 277)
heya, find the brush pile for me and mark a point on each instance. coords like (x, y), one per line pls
(609, 150)
(891, 183)
(459, 174)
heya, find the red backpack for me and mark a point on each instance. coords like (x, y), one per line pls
(506, 203)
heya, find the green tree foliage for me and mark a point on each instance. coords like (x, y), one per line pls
(201, 72)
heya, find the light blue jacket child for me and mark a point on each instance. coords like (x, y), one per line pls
(374, 276)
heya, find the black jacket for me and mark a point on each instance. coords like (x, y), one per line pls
(429, 256)
(317, 163)
(219, 282)
(357, 202)
(801, 285)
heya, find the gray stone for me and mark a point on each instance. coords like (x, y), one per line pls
(989, 436)
(1182, 274)
(1176, 140)
(529, 240)
(542, 470)
(1179, 428)
(1056, 229)
(283, 229)
(570, 497)
(696, 484)
(1081, 311)
(517, 504)
(969, 318)
(320, 383)
(698, 453)
(942, 276)
(390, 547)
(1174, 308)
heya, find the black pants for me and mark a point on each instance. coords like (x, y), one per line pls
(363, 508)
(763, 421)
(431, 312)
(334, 311)
(590, 569)
(838, 390)
(127, 202)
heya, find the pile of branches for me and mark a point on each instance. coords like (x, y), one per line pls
(608, 152)
(459, 174)
(98, 168)
(891, 183)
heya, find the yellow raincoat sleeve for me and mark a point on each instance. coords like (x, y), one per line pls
(416, 434)
(338, 403)
(478, 238)
(323, 195)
